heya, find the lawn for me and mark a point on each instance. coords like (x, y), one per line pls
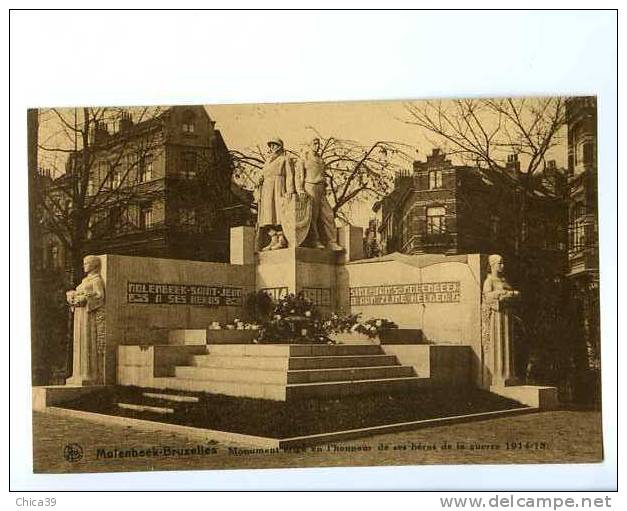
(277, 419)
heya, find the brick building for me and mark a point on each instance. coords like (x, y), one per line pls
(159, 188)
(444, 208)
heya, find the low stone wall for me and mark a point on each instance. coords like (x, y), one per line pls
(445, 366)
(437, 294)
(147, 297)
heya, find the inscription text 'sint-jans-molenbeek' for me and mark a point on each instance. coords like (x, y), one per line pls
(427, 292)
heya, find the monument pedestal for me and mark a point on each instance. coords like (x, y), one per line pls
(544, 398)
(78, 382)
(311, 271)
(52, 395)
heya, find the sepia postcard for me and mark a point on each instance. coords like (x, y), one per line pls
(315, 284)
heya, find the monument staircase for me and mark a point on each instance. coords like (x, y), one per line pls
(276, 372)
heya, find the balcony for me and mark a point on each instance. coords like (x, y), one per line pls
(438, 239)
(430, 243)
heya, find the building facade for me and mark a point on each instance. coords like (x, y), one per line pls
(583, 241)
(157, 188)
(443, 208)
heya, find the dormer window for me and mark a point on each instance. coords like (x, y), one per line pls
(188, 122)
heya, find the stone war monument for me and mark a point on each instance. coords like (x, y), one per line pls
(160, 325)
(155, 328)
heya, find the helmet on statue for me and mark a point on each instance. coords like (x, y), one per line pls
(275, 141)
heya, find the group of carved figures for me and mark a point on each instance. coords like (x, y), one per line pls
(293, 207)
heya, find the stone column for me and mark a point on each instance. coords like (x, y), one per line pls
(242, 245)
(351, 238)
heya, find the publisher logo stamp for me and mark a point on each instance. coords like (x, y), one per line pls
(72, 452)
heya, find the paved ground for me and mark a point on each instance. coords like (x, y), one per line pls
(546, 437)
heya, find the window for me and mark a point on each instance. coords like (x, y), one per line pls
(90, 228)
(114, 217)
(436, 220)
(435, 179)
(188, 122)
(51, 257)
(578, 227)
(145, 216)
(584, 152)
(145, 169)
(187, 216)
(495, 226)
(189, 165)
(579, 234)
(588, 153)
(116, 178)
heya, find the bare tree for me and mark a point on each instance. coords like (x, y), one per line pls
(355, 172)
(485, 132)
(72, 197)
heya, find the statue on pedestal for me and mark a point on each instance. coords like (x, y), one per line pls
(277, 183)
(87, 302)
(310, 182)
(499, 299)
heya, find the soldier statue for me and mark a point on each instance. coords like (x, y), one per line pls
(310, 182)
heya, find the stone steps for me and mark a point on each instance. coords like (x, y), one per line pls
(234, 362)
(292, 376)
(230, 374)
(176, 398)
(353, 387)
(145, 408)
(337, 361)
(284, 363)
(294, 391)
(280, 372)
(348, 374)
(230, 388)
(291, 350)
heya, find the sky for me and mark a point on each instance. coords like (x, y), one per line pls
(245, 126)
(248, 125)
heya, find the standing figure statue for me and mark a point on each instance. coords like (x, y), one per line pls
(310, 180)
(498, 301)
(277, 183)
(87, 302)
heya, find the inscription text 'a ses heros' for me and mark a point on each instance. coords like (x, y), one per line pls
(183, 294)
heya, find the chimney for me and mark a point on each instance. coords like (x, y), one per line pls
(100, 133)
(126, 122)
(512, 165)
